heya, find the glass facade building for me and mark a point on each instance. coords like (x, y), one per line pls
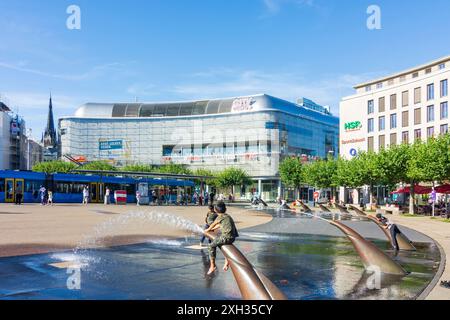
(253, 133)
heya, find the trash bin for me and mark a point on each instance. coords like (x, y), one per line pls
(120, 197)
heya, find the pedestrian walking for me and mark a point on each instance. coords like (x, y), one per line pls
(50, 198)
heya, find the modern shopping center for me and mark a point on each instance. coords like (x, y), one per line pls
(253, 133)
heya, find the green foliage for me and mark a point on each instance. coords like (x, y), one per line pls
(207, 173)
(349, 173)
(138, 168)
(291, 172)
(231, 177)
(54, 167)
(173, 168)
(429, 161)
(321, 174)
(98, 166)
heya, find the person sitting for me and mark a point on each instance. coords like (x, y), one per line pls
(228, 235)
(211, 216)
(393, 229)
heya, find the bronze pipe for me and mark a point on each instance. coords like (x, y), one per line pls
(403, 242)
(370, 254)
(252, 284)
(305, 207)
(342, 209)
(323, 208)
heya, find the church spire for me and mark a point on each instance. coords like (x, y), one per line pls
(50, 132)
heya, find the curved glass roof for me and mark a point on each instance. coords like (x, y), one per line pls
(199, 108)
(173, 109)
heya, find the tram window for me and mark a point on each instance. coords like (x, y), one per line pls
(31, 185)
(2, 185)
(131, 189)
(63, 187)
(78, 187)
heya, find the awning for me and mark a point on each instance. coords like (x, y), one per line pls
(445, 189)
(417, 190)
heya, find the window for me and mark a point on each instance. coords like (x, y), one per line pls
(393, 102)
(430, 132)
(417, 134)
(381, 123)
(417, 95)
(370, 125)
(381, 104)
(428, 70)
(381, 142)
(405, 98)
(380, 85)
(442, 66)
(405, 119)
(430, 91)
(370, 144)
(430, 113)
(370, 108)
(417, 116)
(393, 121)
(405, 137)
(393, 139)
(390, 82)
(444, 88)
(444, 110)
(415, 75)
(368, 88)
(402, 78)
(444, 129)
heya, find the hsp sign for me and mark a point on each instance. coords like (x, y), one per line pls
(353, 126)
(110, 145)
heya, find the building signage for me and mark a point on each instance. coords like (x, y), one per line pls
(242, 104)
(353, 141)
(353, 152)
(353, 126)
(110, 145)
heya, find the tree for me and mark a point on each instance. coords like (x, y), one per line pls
(139, 168)
(428, 162)
(231, 177)
(370, 170)
(349, 173)
(321, 174)
(291, 173)
(173, 168)
(54, 167)
(207, 173)
(98, 166)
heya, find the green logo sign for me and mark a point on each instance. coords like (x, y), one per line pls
(353, 126)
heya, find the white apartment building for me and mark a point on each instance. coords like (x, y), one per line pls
(403, 107)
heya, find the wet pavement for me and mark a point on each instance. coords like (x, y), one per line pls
(304, 266)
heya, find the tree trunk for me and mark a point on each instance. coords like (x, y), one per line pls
(412, 208)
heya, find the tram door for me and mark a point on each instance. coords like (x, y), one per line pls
(97, 192)
(19, 187)
(9, 190)
(93, 189)
(12, 187)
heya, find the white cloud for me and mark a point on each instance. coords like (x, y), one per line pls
(94, 72)
(289, 86)
(33, 107)
(274, 6)
(141, 89)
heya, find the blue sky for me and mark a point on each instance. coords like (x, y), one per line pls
(159, 50)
